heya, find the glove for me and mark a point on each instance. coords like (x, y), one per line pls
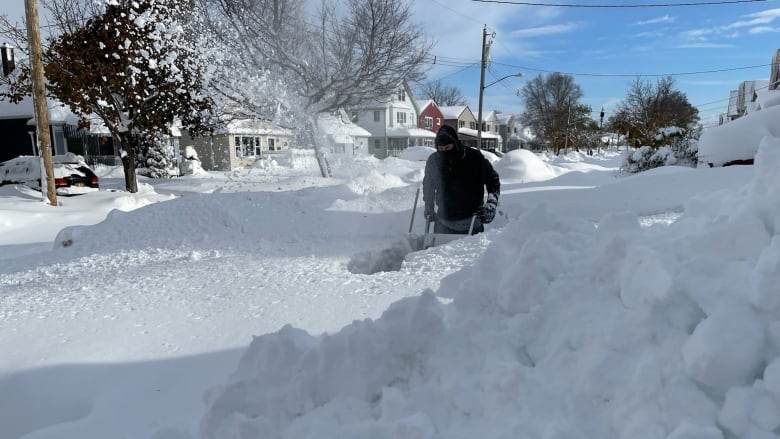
(430, 214)
(488, 210)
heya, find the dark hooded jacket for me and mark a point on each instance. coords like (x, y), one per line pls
(456, 180)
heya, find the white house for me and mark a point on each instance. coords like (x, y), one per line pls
(392, 122)
(343, 136)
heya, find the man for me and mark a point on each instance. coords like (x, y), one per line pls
(455, 181)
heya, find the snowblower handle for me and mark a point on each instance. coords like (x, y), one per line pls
(471, 227)
(414, 208)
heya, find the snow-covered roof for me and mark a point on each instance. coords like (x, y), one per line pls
(471, 132)
(410, 132)
(339, 129)
(338, 125)
(425, 104)
(452, 111)
(253, 126)
(504, 118)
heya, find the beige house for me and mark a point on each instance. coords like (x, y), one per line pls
(462, 119)
(239, 143)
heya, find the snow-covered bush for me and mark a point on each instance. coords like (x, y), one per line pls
(647, 157)
(156, 159)
(681, 148)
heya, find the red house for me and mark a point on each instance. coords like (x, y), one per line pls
(430, 119)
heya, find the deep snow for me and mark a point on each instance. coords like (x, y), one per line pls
(222, 305)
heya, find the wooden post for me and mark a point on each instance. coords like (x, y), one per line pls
(39, 99)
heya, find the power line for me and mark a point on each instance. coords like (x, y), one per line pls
(701, 72)
(646, 5)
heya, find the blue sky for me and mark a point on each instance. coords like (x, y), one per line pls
(619, 43)
(604, 48)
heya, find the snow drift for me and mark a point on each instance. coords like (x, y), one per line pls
(680, 346)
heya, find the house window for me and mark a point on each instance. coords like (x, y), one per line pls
(461, 124)
(400, 118)
(376, 116)
(473, 125)
(402, 95)
(377, 143)
(59, 139)
(271, 144)
(354, 116)
(248, 144)
(428, 122)
(438, 121)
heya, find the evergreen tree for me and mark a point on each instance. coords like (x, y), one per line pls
(156, 158)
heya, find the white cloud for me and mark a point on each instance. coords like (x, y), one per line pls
(704, 45)
(665, 19)
(762, 30)
(549, 29)
(757, 21)
(650, 34)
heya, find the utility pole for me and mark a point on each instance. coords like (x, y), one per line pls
(481, 86)
(568, 121)
(39, 99)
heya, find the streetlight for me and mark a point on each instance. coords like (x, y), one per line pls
(482, 88)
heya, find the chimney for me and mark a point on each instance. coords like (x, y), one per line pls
(9, 65)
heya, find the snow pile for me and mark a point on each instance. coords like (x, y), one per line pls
(559, 330)
(416, 153)
(738, 139)
(522, 165)
(374, 182)
(190, 164)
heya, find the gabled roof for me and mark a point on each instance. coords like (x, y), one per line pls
(383, 101)
(453, 111)
(491, 115)
(340, 128)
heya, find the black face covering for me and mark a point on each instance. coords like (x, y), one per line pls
(454, 153)
(444, 137)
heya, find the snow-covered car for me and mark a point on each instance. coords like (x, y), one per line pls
(72, 176)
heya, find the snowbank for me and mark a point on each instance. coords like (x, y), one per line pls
(521, 165)
(560, 330)
(738, 139)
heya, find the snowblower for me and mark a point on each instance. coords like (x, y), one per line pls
(431, 239)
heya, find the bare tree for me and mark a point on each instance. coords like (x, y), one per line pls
(553, 109)
(444, 95)
(332, 60)
(649, 108)
(294, 63)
